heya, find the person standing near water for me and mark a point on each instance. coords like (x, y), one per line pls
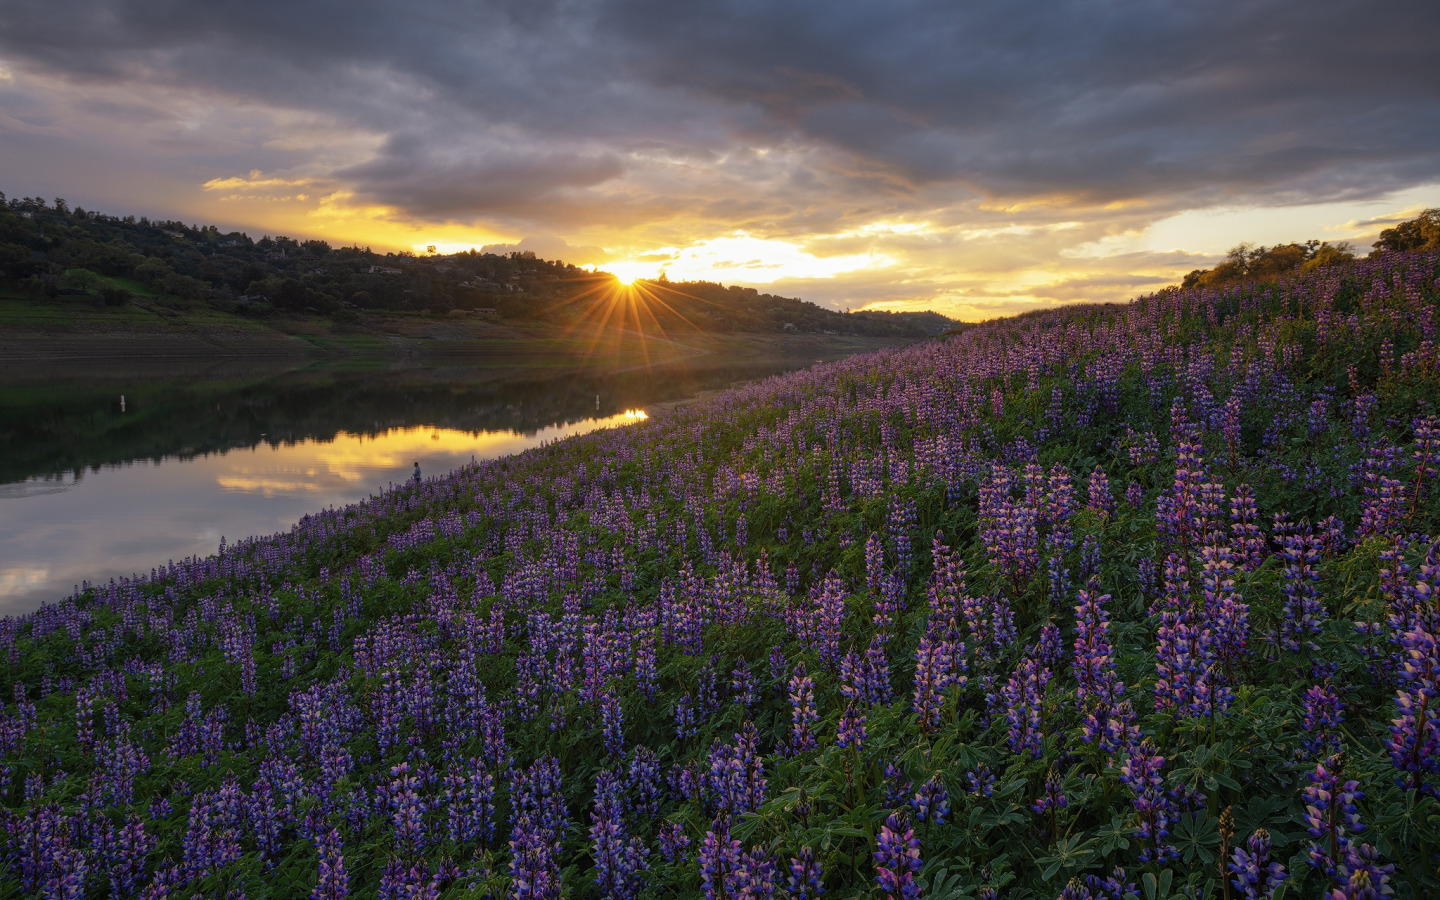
(416, 476)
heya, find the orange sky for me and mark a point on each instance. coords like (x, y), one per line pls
(972, 159)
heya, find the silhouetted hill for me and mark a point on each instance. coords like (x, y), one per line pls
(51, 250)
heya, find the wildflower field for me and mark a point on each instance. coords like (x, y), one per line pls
(1110, 601)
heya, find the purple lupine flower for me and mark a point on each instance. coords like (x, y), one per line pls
(121, 764)
(1098, 494)
(1414, 741)
(534, 871)
(685, 723)
(897, 859)
(947, 582)
(719, 857)
(1360, 876)
(536, 799)
(935, 663)
(753, 877)
(1094, 666)
(886, 588)
(1134, 494)
(1049, 647)
(1331, 816)
(1256, 874)
(414, 883)
(1230, 427)
(1186, 669)
(990, 621)
(1120, 733)
(850, 732)
(1011, 531)
(612, 717)
(736, 779)
(1225, 610)
(125, 855)
(674, 842)
(1112, 887)
(1023, 695)
(866, 679)
(333, 882)
(802, 715)
(683, 781)
(806, 879)
(470, 802)
(1155, 809)
(776, 665)
(66, 880)
(1246, 541)
(897, 789)
(1304, 614)
(742, 685)
(212, 837)
(981, 781)
(1425, 451)
(644, 782)
(619, 859)
(1053, 797)
(407, 809)
(931, 802)
(1382, 505)
(1324, 712)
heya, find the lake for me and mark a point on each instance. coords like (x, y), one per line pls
(107, 470)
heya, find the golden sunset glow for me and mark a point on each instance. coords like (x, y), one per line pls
(743, 259)
(307, 467)
(855, 188)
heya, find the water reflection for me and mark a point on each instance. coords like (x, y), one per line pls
(91, 491)
(57, 532)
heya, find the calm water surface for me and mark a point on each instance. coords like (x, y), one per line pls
(89, 491)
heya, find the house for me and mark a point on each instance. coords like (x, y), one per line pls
(384, 270)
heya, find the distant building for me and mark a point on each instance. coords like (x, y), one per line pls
(384, 270)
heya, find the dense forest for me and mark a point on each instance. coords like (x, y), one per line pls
(50, 250)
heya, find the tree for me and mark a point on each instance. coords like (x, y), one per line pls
(1419, 233)
(1247, 262)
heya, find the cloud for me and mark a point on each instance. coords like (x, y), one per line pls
(456, 179)
(636, 125)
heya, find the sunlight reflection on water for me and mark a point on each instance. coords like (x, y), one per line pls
(126, 518)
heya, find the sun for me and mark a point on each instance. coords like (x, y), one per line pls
(627, 272)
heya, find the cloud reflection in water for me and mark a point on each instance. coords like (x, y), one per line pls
(127, 518)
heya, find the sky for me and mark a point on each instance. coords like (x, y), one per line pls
(976, 158)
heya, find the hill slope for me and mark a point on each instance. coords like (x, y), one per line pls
(54, 254)
(1132, 596)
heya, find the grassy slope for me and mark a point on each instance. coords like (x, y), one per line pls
(384, 608)
(76, 327)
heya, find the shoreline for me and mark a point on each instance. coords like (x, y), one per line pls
(536, 347)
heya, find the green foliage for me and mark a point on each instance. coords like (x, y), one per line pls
(1419, 233)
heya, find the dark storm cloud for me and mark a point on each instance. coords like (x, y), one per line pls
(411, 174)
(882, 104)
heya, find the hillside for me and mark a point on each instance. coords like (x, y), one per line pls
(1104, 602)
(52, 256)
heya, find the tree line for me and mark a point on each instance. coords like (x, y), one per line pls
(1247, 262)
(50, 251)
